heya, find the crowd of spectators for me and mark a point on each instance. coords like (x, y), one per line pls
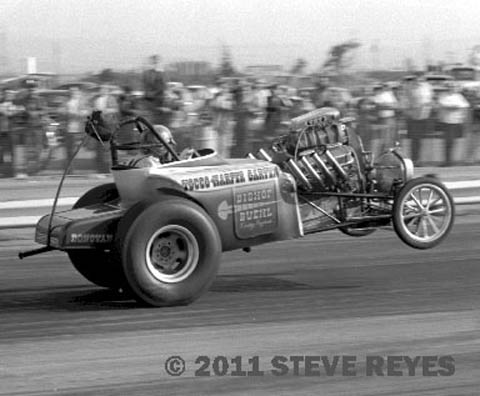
(237, 116)
(415, 111)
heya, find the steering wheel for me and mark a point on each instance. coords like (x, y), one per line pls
(128, 146)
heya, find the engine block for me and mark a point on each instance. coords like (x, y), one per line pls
(317, 154)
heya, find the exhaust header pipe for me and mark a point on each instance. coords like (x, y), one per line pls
(297, 172)
(329, 176)
(308, 166)
(333, 161)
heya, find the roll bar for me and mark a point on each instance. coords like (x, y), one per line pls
(138, 121)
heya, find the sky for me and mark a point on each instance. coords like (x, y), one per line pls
(89, 35)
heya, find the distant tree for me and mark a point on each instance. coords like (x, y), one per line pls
(299, 66)
(106, 76)
(474, 56)
(409, 64)
(226, 65)
(339, 56)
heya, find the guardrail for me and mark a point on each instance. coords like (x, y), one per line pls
(30, 221)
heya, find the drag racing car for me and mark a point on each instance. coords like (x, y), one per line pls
(158, 231)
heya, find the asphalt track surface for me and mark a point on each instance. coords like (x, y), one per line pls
(323, 295)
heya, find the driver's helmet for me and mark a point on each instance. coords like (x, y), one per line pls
(157, 149)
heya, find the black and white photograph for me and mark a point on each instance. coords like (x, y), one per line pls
(242, 197)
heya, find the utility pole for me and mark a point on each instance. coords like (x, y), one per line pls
(56, 57)
(450, 57)
(3, 51)
(374, 51)
(427, 52)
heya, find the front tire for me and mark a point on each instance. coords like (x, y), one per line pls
(423, 213)
(357, 232)
(170, 251)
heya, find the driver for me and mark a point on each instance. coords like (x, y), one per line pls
(156, 153)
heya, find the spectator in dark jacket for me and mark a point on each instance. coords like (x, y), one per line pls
(27, 123)
(127, 108)
(273, 117)
(473, 137)
(154, 90)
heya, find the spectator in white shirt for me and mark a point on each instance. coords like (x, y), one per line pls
(76, 112)
(417, 104)
(386, 105)
(452, 114)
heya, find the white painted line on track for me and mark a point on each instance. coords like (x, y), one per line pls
(31, 221)
(69, 201)
(36, 203)
(466, 200)
(459, 185)
(19, 221)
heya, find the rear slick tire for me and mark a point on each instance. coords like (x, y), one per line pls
(170, 251)
(97, 266)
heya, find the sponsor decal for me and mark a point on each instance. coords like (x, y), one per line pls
(218, 179)
(91, 238)
(224, 210)
(207, 182)
(255, 210)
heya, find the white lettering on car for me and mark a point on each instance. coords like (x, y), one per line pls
(91, 238)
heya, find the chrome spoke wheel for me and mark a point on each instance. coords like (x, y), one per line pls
(172, 253)
(426, 212)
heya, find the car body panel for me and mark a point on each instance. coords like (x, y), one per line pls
(250, 201)
(90, 227)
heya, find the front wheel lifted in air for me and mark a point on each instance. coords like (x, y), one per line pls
(423, 212)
